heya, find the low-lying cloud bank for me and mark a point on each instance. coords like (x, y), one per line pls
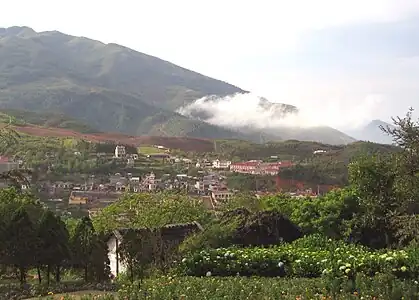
(250, 110)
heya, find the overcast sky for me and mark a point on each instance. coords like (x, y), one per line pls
(346, 56)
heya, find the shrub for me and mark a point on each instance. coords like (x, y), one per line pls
(303, 258)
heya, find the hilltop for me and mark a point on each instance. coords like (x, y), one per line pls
(112, 88)
(372, 132)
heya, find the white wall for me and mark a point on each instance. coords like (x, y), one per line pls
(113, 259)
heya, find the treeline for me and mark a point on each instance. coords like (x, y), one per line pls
(34, 238)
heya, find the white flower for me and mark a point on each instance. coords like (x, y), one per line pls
(280, 264)
(208, 274)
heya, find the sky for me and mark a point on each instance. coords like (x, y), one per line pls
(356, 60)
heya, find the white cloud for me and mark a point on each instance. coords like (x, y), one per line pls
(243, 110)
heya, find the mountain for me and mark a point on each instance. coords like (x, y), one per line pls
(113, 88)
(55, 120)
(372, 133)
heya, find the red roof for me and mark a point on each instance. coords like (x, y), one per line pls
(264, 165)
(4, 159)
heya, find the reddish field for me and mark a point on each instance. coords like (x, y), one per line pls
(182, 143)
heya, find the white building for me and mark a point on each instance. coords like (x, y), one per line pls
(221, 164)
(175, 233)
(120, 151)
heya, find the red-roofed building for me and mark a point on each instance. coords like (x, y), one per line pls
(4, 159)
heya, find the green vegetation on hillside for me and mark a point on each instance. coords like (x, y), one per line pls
(44, 119)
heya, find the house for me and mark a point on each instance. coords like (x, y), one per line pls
(258, 167)
(92, 198)
(221, 164)
(117, 178)
(149, 182)
(120, 151)
(158, 155)
(170, 235)
(221, 196)
(7, 165)
(130, 162)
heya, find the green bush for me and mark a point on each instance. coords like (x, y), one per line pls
(255, 288)
(303, 258)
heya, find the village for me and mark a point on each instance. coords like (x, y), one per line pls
(87, 194)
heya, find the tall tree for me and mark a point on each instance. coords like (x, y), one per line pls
(374, 178)
(21, 242)
(405, 133)
(82, 244)
(53, 243)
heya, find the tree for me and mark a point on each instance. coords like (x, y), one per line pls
(21, 242)
(405, 133)
(99, 261)
(374, 178)
(138, 249)
(151, 211)
(245, 200)
(53, 244)
(82, 243)
(2, 241)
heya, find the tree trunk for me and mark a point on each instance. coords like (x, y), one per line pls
(85, 273)
(58, 274)
(38, 269)
(131, 268)
(22, 274)
(48, 274)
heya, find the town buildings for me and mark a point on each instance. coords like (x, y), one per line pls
(258, 167)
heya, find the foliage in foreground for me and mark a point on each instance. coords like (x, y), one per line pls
(380, 287)
(302, 259)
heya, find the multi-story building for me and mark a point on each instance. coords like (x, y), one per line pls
(120, 151)
(221, 164)
(222, 196)
(258, 167)
(149, 182)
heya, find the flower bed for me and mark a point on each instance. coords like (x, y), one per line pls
(254, 288)
(301, 260)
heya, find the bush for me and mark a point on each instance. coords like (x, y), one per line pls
(237, 288)
(303, 258)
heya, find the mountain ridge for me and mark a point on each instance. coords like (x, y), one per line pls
(135, 93)
(372, 132)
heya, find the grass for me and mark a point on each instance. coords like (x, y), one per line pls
(75, 295)
(149, 150)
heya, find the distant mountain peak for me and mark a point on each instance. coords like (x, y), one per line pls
(372, 132)
(16, 31)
